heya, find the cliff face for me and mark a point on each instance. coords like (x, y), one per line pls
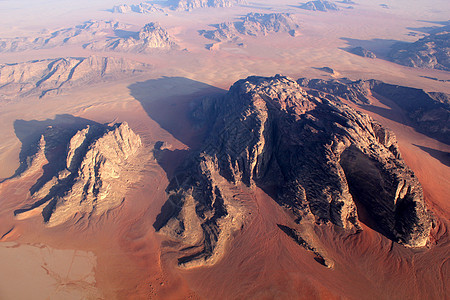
(430, 52)
(86, 178)
(427, 112)
(314, 156)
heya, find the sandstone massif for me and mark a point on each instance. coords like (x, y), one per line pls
(188, 5)
(363, 52)
(430, 52)
(427, 112)
(253, 24)
(141, 8)
(52, 76)
(319, 5)
(313, 155)
(83, 172)
(150, 37)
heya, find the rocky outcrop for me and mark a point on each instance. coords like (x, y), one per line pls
(152, 36)
(254, 24)
(83, 173)
(430, 52)
(86, 32)
(427, 112)
(52, 76)
(188, 5)
(319, 5)
(315, 156)
(362, 52)
(141, 8)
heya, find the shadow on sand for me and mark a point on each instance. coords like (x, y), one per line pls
(442, 156)
(169, 101)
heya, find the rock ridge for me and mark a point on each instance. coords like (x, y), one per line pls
(313, 155)
(86, 178)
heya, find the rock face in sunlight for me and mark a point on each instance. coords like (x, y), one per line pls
(253, 24)
(86, 181)
(319, 5)
(315, 156)
(427, 112)
(51, 76)
(88, 31)
(430, 52)
(194, 4)
(152, 36)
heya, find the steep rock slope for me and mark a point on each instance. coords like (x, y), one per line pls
(151, 36)
(430, 52)
(428, 112)
(313, 155)
(83, 177)
(51, 76)
(253, 24)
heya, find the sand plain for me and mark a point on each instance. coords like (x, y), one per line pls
(121, 257)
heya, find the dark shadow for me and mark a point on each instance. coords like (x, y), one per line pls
(30, 132)
(380, 47)
(169, 101)
(442, 156)
(57, 133)
(125, 34)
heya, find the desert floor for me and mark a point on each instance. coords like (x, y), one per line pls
(121, 256)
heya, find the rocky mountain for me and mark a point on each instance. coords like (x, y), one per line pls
(363, 52)
(427, 112)
(86, 32)
(319, 5)
(152, 36)
(51, 76)
(141, 8)
(83, 173)
(253, 24)
(315, 156)
(188, 5)
(430, 52)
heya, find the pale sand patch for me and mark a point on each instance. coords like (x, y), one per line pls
(41, 272)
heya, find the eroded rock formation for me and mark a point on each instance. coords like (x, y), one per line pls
(315, 156)
(51, 76)
(141, 8)
(152, 36)
(363, 52)
(194, 4)
(87, 32)
(83, 173)
(253, 24)
(430, 52)
(428, 112)
(319, 5)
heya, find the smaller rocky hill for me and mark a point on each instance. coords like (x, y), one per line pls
(430, 52)
(83, 173)
(141, 8)
(86, 32)
(52, 76)
(319, 5)
(188, 5)
(253, 24)
(152, 36)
